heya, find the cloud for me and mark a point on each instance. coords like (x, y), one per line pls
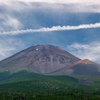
(52, 29)
(63, 1)
(68, 5)
(9, 22)
(9, 47)
(86, 51)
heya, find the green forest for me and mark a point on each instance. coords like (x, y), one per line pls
(51, 95)
(31, 86)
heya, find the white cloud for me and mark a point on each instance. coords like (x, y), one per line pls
(86, 51)
(5, 51)
(70, 5)
(9, 23)
(54, 1)
(67, 5)
(9, 47)
(14, 5)
(54, 28)
(64, 1)
(8, 2)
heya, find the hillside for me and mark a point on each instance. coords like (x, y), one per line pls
(40, 59)
(41, 70)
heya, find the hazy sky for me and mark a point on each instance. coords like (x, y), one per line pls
(73, 25)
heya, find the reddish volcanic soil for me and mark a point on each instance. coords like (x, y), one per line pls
(48, 59)
(40, 59)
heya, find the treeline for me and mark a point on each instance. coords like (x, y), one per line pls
(51, 95)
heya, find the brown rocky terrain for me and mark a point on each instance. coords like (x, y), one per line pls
(40, 59)
(48, 59)
(81, 67)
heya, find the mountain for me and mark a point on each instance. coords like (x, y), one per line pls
(40, 59)
(47, 68)
(48, 59)
(81, 67)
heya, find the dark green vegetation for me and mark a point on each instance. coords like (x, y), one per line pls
(6, 77)
(51, 95)
(31, 86)
(25, 76)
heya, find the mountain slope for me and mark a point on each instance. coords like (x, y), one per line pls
(48, 68)
(81, 67)
(28, 76)
(46, 60)
(39, 59)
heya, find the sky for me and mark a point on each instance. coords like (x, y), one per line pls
(73, 25)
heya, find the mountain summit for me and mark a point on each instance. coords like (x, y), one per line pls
(47, 59)
(40, 59)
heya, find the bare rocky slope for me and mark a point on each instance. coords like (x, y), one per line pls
(48, 59)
